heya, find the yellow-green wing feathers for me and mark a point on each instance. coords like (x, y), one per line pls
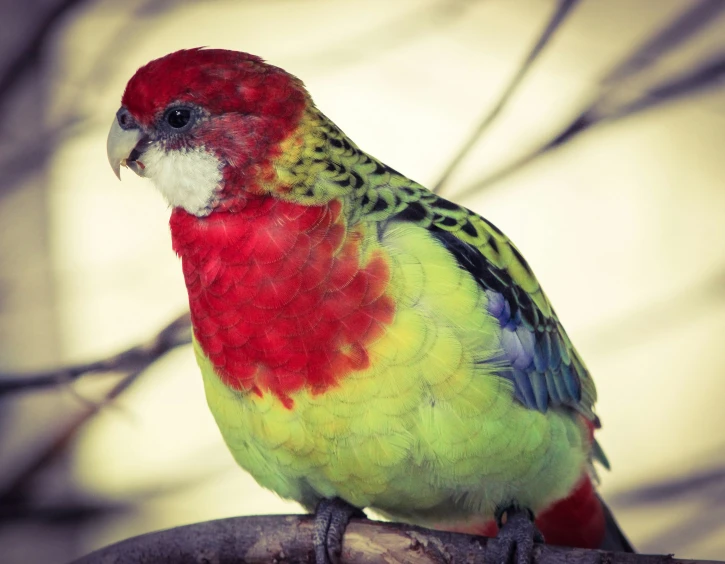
(429, 430)
(545, 368)
(469, 396)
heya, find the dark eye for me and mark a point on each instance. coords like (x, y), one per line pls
(178, 118)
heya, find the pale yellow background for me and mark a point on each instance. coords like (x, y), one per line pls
(625, 228)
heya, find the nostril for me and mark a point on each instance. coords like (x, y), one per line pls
(125, 119)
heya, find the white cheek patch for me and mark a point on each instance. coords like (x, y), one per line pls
(188, 179)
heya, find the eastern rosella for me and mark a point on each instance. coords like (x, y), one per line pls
(361, 339)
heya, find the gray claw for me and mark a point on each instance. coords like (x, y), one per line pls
(331, 519)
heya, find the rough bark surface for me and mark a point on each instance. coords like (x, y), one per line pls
(279, 539)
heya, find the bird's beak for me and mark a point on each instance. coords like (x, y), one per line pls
(121, 144)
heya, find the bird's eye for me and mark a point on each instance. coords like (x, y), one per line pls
(178, 118)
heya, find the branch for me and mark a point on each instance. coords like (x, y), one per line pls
(552, 26)
(75, 512)
(133, 361)
(708, 75)
(709, 485)
(19, 486)
(611, 103)
(136, 359)
(679, 31)
(29, 54)
(288, 538)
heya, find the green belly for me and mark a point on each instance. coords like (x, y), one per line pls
(400, 450)
(428, 431)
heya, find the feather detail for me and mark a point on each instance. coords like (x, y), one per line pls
(358, 335)
(261, 311)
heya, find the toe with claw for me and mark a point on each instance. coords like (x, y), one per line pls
(331, 519)
(514, 543)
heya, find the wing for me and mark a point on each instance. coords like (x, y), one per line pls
(537, 355)
(542, 363)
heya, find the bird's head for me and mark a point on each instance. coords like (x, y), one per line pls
(204, 124)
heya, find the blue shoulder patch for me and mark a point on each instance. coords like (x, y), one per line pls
(535, 354)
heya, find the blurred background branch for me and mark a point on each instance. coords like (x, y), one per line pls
(619, 94)
(28, 55)
(557, 19)
(134, 360)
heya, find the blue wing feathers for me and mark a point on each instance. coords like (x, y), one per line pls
(553, 387)
(535, 353)
(541, 393)
(523, 389)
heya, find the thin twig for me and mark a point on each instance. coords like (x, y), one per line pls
(76, 511)
(565, 7)
(137, 358)
(709, 74)
(134, 361)
(694, 19)
(703, 77)
(29, 54)
(19, 486)
(703, 483)
(605, 107)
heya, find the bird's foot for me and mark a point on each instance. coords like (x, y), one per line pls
(331, 519)
(514, 543)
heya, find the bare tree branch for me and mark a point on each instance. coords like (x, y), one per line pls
(138, 358)
(288, 538)
(706, 76)
(692, 21)
(609, 105)
(709, 74)
(20, 485)
(565, 7)
(76, 512)
(134, 361)
(703, 483)
(29, 54)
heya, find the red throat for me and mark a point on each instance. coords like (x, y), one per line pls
(281, 295)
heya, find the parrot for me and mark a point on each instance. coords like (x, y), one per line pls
(363, 342)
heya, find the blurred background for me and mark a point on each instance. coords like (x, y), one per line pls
(599, 130)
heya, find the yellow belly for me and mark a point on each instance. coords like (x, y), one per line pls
(428, 431)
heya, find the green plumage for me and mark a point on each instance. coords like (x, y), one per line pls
(332, 166)
(463, 408)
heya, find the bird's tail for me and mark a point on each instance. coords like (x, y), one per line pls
(614, 538)
(582, 520)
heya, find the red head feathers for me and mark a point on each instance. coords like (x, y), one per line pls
(219, 81)
(205, 125)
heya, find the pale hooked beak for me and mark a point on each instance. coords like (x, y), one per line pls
(123, 147)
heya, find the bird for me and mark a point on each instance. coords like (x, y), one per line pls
(364, 343)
